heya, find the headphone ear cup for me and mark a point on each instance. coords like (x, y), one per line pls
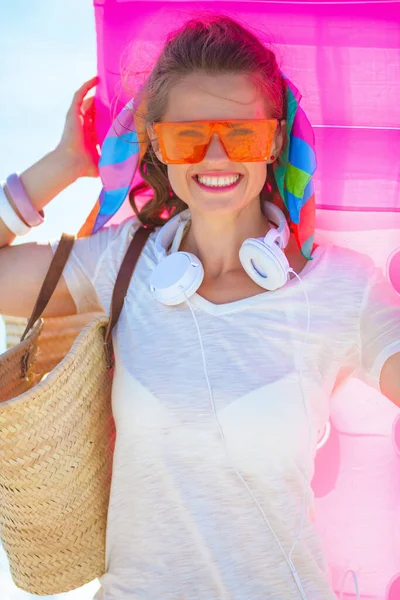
(176, 277)
(265, 265)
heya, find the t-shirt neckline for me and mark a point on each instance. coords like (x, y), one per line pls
(237, 305)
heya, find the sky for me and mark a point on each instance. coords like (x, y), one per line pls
(47, 50)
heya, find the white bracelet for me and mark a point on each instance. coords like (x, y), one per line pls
(9, 216)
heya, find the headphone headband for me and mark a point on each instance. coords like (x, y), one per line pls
(172, 231)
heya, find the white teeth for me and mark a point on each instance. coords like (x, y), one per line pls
(217, 181)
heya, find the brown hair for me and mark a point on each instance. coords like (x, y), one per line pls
(213, 44)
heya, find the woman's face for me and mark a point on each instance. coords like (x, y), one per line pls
(224, 97)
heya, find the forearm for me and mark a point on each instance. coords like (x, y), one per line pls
(43, 181)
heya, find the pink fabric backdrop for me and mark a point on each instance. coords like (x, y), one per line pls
(345, 60)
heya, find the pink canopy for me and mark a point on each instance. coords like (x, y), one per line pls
(345, 60)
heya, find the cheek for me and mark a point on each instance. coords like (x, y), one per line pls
(257, 174)
(179, 179)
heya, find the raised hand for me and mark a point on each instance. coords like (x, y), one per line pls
(79, 140)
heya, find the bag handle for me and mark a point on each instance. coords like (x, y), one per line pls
(124, 276)
(121, 287)
(52, 278)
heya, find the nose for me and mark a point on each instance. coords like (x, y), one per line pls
(215, 150)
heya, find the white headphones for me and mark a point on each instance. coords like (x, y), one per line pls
(179, 275)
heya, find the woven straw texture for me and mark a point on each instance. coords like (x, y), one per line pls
(57, 336)
(57, 443)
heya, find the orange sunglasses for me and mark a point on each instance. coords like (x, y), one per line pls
(243, 141)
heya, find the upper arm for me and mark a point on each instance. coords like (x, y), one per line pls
(23, 268)
(380, 336)
(88, 276)
(390, 379)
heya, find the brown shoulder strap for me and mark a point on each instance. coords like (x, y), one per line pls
(125, 273)
(122, 283)
(52, 278)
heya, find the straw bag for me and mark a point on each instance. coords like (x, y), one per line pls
(57, 437)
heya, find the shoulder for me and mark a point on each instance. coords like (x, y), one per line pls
(113, 241)
(345, 261)
(342, 275)
(120, 232)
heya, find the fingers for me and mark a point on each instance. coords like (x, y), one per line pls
(88, 105)
(83, 90)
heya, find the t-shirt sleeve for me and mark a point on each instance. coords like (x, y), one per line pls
(379, 326)
(85, 265)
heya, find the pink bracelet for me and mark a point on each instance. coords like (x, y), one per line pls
(28, 212)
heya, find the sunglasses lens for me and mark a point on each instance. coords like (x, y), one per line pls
(183, 142)
(244, 141)
(250, 141)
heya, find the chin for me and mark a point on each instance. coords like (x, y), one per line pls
(215, 206)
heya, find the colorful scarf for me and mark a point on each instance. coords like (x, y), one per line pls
(121, 154)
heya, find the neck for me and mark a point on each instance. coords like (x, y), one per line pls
(216, 239)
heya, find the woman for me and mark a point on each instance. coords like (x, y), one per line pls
(212, 441)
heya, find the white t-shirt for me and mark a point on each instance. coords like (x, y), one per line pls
(181, 524)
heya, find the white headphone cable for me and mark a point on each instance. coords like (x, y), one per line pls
(309, 454)
(288, 560)
(307, 414)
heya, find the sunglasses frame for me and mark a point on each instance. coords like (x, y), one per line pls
(158, 130)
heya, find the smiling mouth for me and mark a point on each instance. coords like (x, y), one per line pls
(217, 189)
